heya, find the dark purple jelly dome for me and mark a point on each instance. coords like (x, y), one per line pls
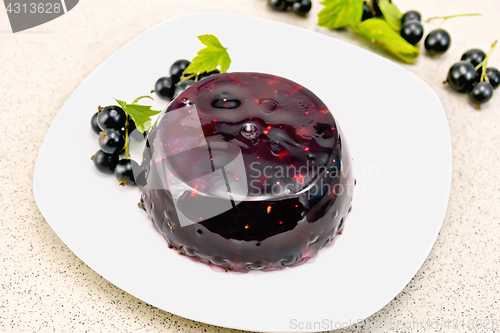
(298, 172)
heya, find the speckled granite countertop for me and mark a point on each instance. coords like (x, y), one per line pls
(46, 288)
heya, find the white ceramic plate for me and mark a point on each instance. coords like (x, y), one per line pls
(399, 138)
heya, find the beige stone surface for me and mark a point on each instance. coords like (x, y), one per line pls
(46, 288)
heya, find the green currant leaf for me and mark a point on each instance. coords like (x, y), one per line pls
(391, 14)
(378, 31)
(340, 13)
(209, 58)
(140, 114)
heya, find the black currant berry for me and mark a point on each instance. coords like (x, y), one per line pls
(474, 56)
(183, 85)
(177, 69)
(165, 88)
(126, 170)
(94, 124)
(493, 76)
(279, 5)
(437, 42)
(111, 141)
(302, 7)
(481, 93)
(367, 12)
(411, 15)
(207, 74)
(412, 32)
(461, 76)
(105, 162)
(111, 117)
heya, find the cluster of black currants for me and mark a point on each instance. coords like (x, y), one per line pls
(437, 42)
(168, 87)
(299, 7)
(110, 124)
(472, 76)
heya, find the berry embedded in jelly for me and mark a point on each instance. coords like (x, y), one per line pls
(247, 171)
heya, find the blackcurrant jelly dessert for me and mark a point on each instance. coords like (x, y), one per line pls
(247, 171)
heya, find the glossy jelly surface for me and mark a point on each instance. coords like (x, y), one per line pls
(247, 171)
